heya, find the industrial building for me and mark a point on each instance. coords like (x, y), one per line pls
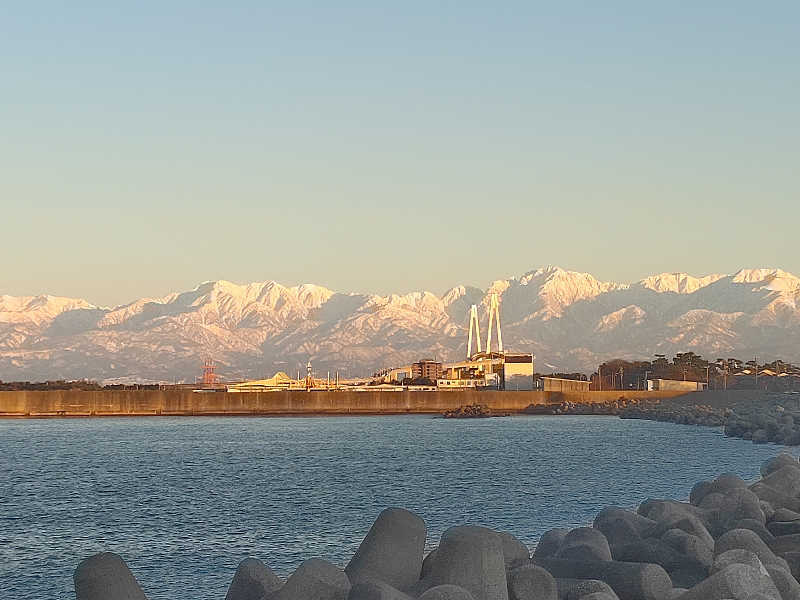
(483, 369)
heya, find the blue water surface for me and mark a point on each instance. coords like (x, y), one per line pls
(183, 500)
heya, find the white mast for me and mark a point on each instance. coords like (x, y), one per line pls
(494, 311)
(473, 323)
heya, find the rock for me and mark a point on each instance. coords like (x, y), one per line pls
(375, 590)
(768, 510)
(585, 543)
(688, 523)
(786, 543)
(575, 589)
(756, 527)
(786, 480)
(531, 583)
(650, 551)
(391, 551)
(746, 540)
(612, 515)
(700, 490)
(786, 584)
(693, 548)
(659, 510)
(427, 564)
(727, 482)
(732, 506)
(630, 581)
(105, 576)
(515, 553)
(736, 582)
(778, 528)
(775, 497)
(315, 578)
(472, 411)
(472, 558)
(253, 581)
(778, 462)
(737, 556)
(793, 560)
(687, 577)
(550, 542)
(447, 592)
(622, 526)
(785, 515)
(724, 484)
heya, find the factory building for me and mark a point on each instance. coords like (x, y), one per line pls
(484, 369)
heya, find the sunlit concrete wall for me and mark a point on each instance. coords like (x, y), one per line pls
(186, 402)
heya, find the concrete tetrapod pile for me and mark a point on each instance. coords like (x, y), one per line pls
(762, 417)
(731, 541)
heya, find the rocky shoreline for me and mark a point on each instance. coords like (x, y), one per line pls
(612, 407)
(473, 411)
(731, 540)
(760, 417)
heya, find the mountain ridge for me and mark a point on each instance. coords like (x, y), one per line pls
(568, 318)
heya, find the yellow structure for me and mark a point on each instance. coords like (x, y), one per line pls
(279, 381)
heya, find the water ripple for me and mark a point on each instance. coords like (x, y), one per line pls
(184, 500)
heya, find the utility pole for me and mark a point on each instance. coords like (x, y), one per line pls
(755, 360)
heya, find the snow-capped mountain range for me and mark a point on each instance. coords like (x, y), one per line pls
(570, 320)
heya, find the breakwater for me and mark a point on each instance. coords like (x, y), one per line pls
(731, 540)
(751, 415)
(75, 403)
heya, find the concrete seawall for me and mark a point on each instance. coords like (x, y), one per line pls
(74, 403)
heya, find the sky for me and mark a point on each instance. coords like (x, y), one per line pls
(375, 147)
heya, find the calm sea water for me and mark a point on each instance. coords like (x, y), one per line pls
(184, 500)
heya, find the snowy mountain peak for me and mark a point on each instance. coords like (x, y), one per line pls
(37, 309)
(678, 283)
(454, 294)
(570, 319)
(759, 275)
(783, 286)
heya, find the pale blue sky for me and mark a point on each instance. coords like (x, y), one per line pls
(373, 146)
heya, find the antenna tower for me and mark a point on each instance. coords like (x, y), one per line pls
(209, 376)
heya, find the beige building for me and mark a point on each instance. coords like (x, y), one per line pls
(554, 384)
(517, 371)
(674, 385)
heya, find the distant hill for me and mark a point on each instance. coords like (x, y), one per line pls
(570, 320)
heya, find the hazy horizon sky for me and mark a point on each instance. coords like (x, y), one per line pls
(393, 147)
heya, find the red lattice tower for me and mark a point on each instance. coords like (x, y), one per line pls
(209, 376)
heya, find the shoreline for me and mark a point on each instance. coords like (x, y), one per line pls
(761, 417)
